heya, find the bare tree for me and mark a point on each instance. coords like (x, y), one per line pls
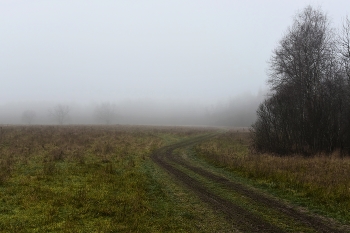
(344, 52)
(307, 48)
(28, 117)
(105, 112)
(344, 46)
(60, 113)
(306, 111)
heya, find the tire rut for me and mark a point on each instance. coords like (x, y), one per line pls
(311, 221)
(244, 219)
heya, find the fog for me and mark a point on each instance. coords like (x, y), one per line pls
(234, 112)
(141, 62)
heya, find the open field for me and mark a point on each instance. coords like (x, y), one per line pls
(158, 179)
(92, 179)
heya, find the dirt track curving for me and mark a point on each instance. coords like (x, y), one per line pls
(241, 217)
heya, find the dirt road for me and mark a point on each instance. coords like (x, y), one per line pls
(244, 218)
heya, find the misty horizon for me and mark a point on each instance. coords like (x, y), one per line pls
(235, 112)
(173, 62)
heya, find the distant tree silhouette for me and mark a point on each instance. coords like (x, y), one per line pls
(60, 113)
(28, 117)
(105, 112)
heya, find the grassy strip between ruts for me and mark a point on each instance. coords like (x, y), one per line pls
(265, 212)
(320, 183)
(94, 179)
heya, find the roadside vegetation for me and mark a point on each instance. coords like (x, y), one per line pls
(320, 183)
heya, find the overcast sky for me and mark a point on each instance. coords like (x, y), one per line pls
(181, 50)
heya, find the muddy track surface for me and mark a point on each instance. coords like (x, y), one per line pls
(242, 218)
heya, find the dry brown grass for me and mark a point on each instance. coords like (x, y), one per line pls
(324, 180)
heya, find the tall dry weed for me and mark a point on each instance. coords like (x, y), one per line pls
(323, 178)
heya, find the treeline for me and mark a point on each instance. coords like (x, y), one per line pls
(308, 109)
(60, 114)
